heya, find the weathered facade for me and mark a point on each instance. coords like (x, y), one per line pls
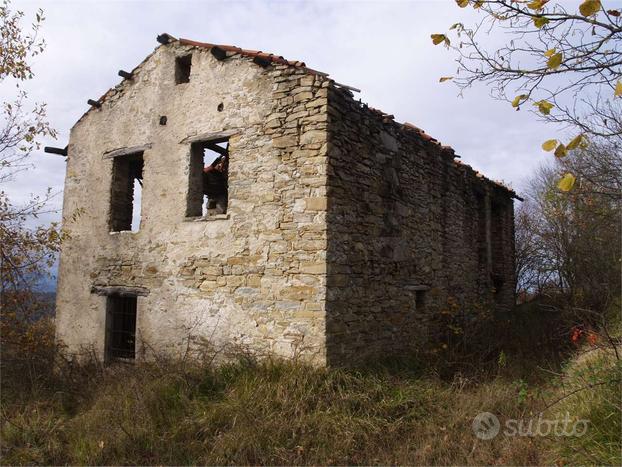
(342, 226)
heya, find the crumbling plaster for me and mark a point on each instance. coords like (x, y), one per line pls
(250, 278)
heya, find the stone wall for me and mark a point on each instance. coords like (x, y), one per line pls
(408, 230)
(344, 229)
(254, 278)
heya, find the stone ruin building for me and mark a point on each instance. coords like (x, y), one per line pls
(251, 200)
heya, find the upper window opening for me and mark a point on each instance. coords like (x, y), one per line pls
(126, 192)
(183, 66)
(208, 189)
(121, 327)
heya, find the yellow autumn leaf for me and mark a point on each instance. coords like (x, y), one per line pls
(549, 145)
(544, 106)
(589, 7)
(549, 52)
(561, 151)
(438, 38)
(566, 182)
(540, 21)
(445, 78)
(462, 3)
(575, 142)
(518, 99)
(618, 90)
(536, 4)
(554, 61)
(478, 4)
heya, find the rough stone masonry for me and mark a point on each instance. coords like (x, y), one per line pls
(342, 227)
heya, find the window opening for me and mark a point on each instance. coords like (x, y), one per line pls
(126, 192)
(121, 327)
(208, 189)
(419, 300)
(183, 65)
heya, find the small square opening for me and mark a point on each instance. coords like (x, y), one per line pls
(208, 188)
(183, 65)
(120, 327)
(419, 300)
(126, 192)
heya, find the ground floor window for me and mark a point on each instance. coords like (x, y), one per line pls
(120, 327)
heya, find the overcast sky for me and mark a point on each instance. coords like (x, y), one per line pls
(383, 48)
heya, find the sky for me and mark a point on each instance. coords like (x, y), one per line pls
(382, 48)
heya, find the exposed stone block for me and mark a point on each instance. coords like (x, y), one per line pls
(316, 204)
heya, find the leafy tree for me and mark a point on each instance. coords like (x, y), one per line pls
(25, 253)
(569, 243)
(563, 63)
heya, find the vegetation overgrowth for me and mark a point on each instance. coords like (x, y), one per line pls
(184, 411)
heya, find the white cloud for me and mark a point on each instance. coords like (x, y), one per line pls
(384, 48)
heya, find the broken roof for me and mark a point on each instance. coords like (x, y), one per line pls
(265, 58)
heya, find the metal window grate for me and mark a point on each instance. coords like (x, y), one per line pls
(121, 327)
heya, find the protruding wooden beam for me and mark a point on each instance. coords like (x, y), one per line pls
(164, 38)
(53, 150)
(218, 53)
(345, 86)
(219, 149)
(94, 103)
(125, 74)
(262, 62)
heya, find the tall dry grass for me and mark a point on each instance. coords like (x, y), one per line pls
(171, 412)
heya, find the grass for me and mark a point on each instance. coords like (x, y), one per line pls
(272, 412)
(265, 413)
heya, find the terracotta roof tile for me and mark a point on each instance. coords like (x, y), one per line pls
(421, 132)
(252, 54)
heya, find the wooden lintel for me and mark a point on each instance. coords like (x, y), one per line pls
(121, 290)
(213, 136)
(53, 150)
(126, 151)
(417, 287)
